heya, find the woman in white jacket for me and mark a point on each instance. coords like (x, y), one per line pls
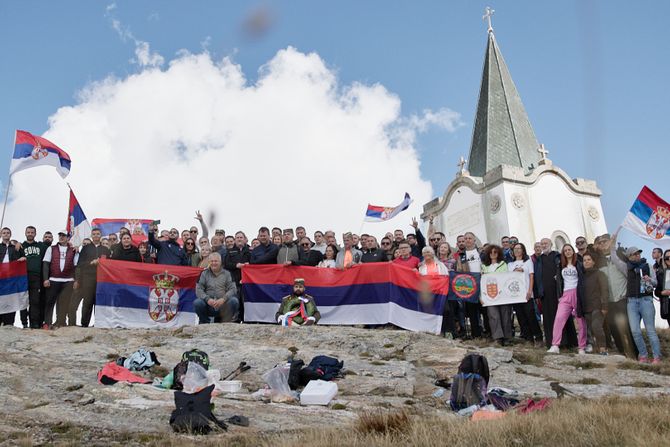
(430, 265)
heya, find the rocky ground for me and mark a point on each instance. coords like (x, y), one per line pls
(49, 390)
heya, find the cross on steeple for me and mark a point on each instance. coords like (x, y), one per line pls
(543, 151)
(487, 16)
(461, 166)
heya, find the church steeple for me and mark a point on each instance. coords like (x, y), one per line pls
(502, 133)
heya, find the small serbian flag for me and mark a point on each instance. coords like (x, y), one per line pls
(31, 150)
(77, 226)
(382, 213)
(13, 287)
(138, 295)
(139, 228)
(649, 218)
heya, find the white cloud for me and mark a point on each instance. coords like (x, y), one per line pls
(294, 148)
(144, 57)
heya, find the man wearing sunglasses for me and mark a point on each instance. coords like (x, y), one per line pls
(307, 255)
(169, 252)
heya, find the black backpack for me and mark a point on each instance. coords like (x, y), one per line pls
(467, 389)
(475, 364)
(193, 414)
(197, 356)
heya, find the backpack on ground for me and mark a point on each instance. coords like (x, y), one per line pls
(475, 364)
(197, 356)
(467, 389)
(325, 368)
(193, 413)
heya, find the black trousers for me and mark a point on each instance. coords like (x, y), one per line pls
(58, 296)
(36, 301)
(85, 294)
(525, 315)
(472, 313)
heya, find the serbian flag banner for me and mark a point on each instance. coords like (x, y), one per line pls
(137, 295)
(649, 218)
(139, 228)
(381, 213)
(77, 226)
(13, 286)
(375, 293)
(31, 151)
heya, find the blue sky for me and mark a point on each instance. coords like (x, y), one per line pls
(592, 74)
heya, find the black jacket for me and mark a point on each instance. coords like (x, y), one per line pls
(236, 256)
(310, 258)
(635, 272)
(374, 255)
(131, 254)
(13, 254)
(416, 249)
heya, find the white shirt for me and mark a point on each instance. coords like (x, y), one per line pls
(474, 260)
(320, 247)
(570, 277)
(62, 252)
(526, 266)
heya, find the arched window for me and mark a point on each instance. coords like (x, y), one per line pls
(559, 238)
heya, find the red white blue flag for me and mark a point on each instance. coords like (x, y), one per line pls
(139, 228)
(649, 218)
(77, 226)
(31, 151)
(376, 213)
(374, 293)
(13, 287)
(138, 295)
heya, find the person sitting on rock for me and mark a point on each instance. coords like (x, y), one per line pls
(298, 308)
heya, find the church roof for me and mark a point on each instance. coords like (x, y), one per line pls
(502, 134)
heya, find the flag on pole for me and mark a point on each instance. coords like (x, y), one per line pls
(13, 287)
(382, 213)
(31, 150)
(649, 218)
(77, 226)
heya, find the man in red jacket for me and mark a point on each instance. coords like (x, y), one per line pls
(58, 268)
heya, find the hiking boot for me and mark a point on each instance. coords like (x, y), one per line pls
(581, 352)
(554, 350)
(642, 359)
(656, 361)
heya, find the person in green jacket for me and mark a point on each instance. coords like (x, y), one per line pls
(298, 308)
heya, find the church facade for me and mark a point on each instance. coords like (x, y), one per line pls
(510, 187)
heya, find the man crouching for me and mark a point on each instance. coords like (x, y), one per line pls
(298, 308)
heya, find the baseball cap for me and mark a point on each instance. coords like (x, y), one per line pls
(630, 251)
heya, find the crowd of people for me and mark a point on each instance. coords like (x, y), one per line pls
(607, 290)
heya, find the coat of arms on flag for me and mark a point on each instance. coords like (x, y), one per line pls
(649, 218)
(164, 298)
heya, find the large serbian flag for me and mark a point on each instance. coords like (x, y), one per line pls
(137, 295)
(13, 287)
(376, 213)
(649, 218)
(77, 226)
(31, 150)
(375, 293)
(139, 228)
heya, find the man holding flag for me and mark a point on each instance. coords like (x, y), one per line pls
(9, 253)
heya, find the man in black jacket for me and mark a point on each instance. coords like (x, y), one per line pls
(236, 258)
(307, 256)
(372, 253)
(86, 274)
(8, 252)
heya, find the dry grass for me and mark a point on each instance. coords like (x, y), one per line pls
(533, 357)
(589, 381)
(567, 422)
(587, 364)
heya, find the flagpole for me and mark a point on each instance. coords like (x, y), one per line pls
(4, 207)
(9, 184)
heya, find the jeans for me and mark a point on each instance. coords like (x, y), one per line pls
(226, 313)
(643, 309)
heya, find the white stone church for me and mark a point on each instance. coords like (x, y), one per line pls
(510, 187)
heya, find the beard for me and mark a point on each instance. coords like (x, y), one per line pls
(298, 292)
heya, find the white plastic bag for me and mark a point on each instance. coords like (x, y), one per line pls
(277, 380)
(195, 378)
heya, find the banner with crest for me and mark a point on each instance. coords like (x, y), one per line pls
(137, 295)
(502, 288)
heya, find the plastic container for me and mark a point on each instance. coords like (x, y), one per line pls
(230, 386)
(318, 392)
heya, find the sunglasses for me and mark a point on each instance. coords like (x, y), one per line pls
(386, 243)
(667, 258)
(434, 240)
(306, 245)
(193, 231)
(190, 243)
